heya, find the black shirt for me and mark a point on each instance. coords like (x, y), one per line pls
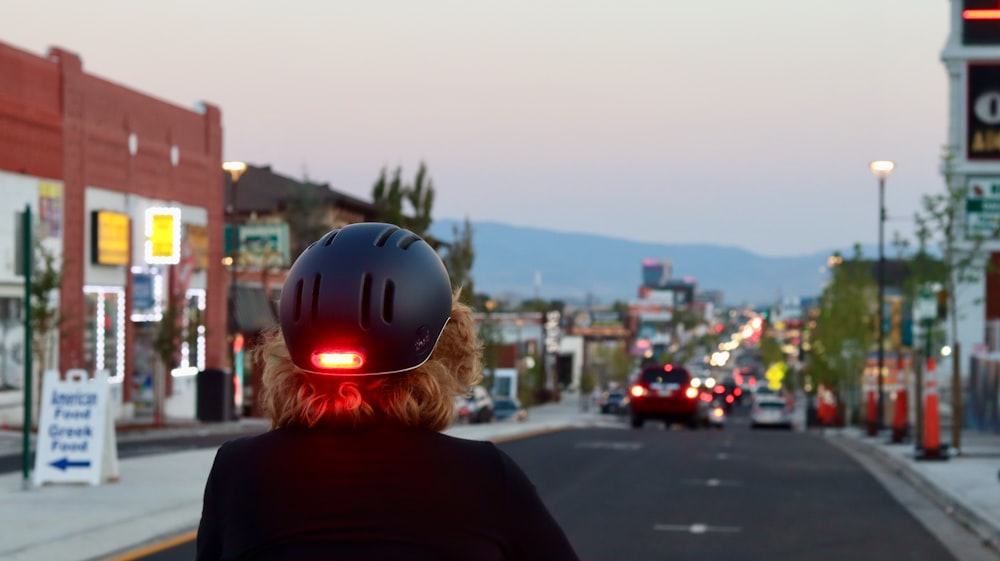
(384, 492)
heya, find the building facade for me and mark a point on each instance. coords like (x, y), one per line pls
(127, 193)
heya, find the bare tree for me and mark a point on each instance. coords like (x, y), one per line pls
(962, 259)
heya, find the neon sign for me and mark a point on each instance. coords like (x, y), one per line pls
(981, 14)
(981, 22)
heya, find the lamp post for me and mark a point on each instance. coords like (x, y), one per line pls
(881, 169)
(235, 169)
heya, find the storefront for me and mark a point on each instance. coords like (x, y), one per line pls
(127, 191)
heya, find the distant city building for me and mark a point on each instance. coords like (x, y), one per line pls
(655, 272)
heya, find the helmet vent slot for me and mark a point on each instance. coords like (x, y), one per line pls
(409, 240)
(329, 238)
(384, 236)
(298, 300)
(366, 296)
(315, 299)
(388, 297)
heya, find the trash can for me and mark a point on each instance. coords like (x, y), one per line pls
(216, 401)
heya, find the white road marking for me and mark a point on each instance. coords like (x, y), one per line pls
(713, 482)
(610, 445)
(697, 528)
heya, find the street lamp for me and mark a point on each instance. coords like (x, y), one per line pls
(235, 170)
(881, 169)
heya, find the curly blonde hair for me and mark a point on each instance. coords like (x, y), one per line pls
(423, 397)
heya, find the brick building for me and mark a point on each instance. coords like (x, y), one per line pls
(99, 164)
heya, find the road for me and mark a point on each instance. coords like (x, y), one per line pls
(657, 493)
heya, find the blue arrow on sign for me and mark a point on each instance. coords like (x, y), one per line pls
(67, 463)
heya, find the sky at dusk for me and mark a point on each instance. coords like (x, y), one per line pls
(673, 121)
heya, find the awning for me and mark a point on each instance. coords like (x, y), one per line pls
(252, 311)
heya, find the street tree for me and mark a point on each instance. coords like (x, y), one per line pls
(406, 205)
(963, 261)
(46, 321)
(845, 326)
(305, 211)
(458, 257)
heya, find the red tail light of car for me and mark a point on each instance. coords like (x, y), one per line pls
(692, 393)
(637, 391)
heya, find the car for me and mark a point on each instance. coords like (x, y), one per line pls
(665, 393)
(483, 401)
(505, 408)
(474, 407)
(464, 411)
(717, 414)
(770, 412)
(613, 401)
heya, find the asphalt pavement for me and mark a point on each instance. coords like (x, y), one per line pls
(158, 496)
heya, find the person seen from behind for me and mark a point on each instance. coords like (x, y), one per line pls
(359, 378)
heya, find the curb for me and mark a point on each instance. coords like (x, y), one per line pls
(967, 517)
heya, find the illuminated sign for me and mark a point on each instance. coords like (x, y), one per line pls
(109, 238)
(163, 236)
(197, 238)
(983, 112)
(981, 22)
(263, 245)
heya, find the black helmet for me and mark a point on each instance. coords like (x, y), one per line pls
(368, 298)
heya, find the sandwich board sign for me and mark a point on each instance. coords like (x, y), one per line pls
(76, 433)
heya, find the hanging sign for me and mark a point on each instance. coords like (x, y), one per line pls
(163, 235)
(76, 432)
(109, 238)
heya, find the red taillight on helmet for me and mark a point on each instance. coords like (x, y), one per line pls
(691, 393)
(330, 360)
(637, 391)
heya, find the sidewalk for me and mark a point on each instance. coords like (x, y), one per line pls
(159, 496)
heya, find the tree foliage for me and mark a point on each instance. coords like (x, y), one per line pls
(46, 280)
(406, 205)
(963, 260)
(609, 362)
(845, 328)
(305, 212)
(458, 258)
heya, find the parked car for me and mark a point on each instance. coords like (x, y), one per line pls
(475, 407)
(464, 411)
(613, 401)
(770, 412)
(505, 408)
(665, 393)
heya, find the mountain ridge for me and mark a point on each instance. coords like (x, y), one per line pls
(597, 268)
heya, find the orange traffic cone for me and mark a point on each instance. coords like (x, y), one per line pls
(932, 421)
(872, 414)
(899, 418)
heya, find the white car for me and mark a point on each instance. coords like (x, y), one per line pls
(770, 412)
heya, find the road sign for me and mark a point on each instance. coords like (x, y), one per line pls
(982, 206)
(76, 434)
